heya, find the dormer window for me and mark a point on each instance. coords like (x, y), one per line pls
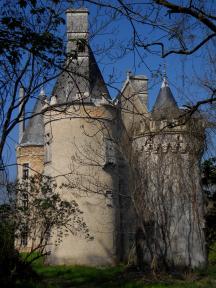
(81, 45)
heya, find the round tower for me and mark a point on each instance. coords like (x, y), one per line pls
(168, 155)
(80, 152)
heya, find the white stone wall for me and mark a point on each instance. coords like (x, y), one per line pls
(78, 159)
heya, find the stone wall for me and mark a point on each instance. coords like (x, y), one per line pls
(169, 197)
(77, 142)
(34, 155)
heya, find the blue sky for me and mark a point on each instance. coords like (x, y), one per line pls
(113, 67)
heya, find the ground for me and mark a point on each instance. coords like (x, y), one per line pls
(116, 277)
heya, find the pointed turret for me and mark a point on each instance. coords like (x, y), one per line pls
(34, 132)
(165, 105)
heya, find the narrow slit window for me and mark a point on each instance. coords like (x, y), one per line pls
(47, 147)
(25, 171)
(110, 152)
(25, 200)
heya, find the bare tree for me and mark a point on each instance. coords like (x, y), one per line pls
(165, 28)
(168, 197)
(29, 56)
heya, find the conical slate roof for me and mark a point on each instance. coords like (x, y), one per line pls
(165, 105)
(81, 77)
(34, 132)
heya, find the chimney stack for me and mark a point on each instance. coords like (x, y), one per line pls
(77, 31)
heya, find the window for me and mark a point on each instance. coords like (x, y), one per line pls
(81, 45)
(109, 198)
(25, 170)
(110, 152)
(25, 200)
(47, 147)
(24, 235)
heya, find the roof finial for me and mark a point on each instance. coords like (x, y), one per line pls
(42, 92)
(165, 81)
(129, 74)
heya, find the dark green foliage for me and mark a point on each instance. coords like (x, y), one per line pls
(6, 239)
(39, 207)
(209, 185)
(7, 252)
(24, 28)
(211, 221)
(209, 171)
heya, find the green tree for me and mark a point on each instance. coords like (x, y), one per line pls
(7, 253)
(40, 213)
(35, 215)
(209, 185)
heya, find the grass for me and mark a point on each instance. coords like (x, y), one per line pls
(114, 277)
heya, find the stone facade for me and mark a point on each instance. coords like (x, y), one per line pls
(121, 163)
(34, 156)
(81, 158)
(168, 162)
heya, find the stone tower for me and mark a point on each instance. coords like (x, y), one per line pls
(168, 152)
(80, 149)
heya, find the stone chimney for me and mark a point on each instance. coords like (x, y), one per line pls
(77, 32)
(22, 120)
(78, 51)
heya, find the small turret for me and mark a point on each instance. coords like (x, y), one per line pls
(165, 106)
(34, 132)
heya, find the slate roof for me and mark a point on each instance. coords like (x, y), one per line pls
(85, 76)
(165, 105)
(34, 132)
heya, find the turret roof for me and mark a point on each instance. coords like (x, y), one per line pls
(81, 78)
(34, 132)
(165, 104)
